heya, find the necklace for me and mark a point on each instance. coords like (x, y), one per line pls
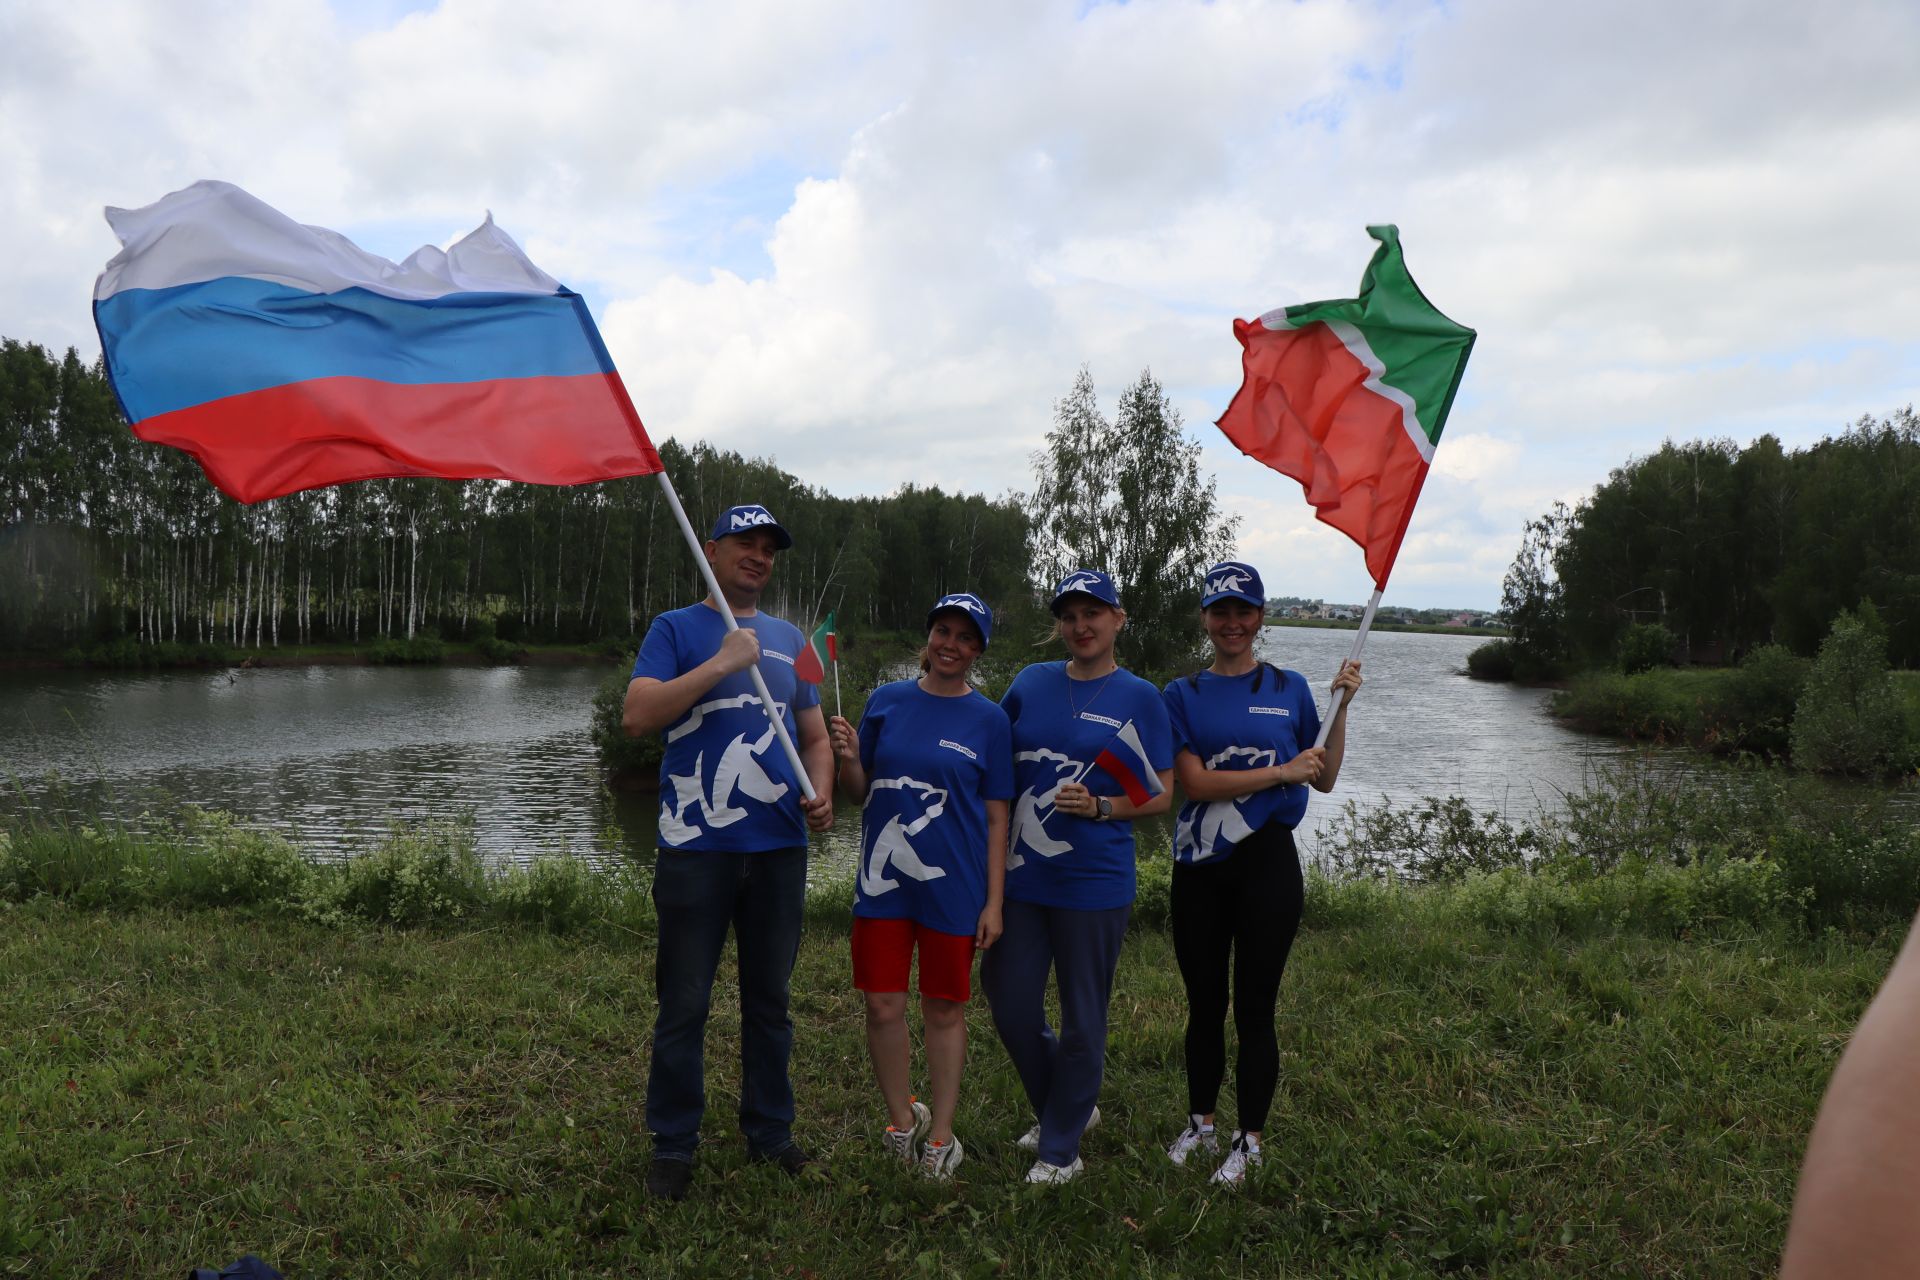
(1100, 681)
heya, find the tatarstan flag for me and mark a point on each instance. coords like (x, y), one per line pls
(1348, 397)
(811, 662)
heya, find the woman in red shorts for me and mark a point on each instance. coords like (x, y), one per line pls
(933, 762)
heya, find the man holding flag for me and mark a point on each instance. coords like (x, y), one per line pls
(733, 843)
(284, 357)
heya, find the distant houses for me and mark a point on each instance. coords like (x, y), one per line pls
(1296, 610)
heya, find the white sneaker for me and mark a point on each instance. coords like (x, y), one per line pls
(1049, 1173)
(938, 1160)
(901, 1143)
(1242, 1157)
(1030, 1140)
(1195, 1137)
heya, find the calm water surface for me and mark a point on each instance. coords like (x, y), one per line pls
(331, 755)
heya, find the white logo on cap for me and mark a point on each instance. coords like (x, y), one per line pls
(961, 602)
(1079, 582)
(751, 517)
(1232, 580)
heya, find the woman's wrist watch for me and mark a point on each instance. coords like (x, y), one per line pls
(1102, 808)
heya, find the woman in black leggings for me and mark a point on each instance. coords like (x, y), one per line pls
(1243, 734)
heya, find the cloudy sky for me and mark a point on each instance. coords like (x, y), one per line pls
(875, 241)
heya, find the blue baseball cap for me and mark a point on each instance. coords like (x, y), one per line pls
(1233, 580)
(747, 518)
(1085, 582)
(972, 606)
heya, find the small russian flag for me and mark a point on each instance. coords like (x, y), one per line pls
(1125, 761)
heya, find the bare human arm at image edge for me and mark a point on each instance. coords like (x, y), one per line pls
(1856, 1214)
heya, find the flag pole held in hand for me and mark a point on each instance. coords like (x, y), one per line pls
(1340, 695)
(726, 612)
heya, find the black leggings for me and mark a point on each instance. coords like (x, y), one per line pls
(1247, 909)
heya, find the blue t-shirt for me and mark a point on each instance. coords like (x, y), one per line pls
(1059, 726)
(932, 764)
(1265, 717)
(726, 785)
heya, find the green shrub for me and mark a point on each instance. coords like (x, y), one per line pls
(558, 894)
(1856, 873)
(1153, 889)
(420, 651)
(617, 750)
(499, 652)
(90, 865)
(1436, 839)
(413, 876)
(240, 865)
(1641, 707)
(1336, 902)
(1755, 710)
(1646, 645)
(1494, 660)
(128, 654)
(1848, 719)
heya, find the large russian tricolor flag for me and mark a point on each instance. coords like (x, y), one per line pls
(284, 357)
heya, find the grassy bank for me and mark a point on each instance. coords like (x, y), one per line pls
(1590, 1045)
(186, 1086)
(1721, 709)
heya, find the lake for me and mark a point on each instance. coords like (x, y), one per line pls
(332, 754)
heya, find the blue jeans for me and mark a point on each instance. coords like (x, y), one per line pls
(1061, 1073)
(697, 896)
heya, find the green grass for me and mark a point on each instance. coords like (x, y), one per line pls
(184, 1086)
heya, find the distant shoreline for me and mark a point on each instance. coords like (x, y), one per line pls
(1353, 624)
(308, 655)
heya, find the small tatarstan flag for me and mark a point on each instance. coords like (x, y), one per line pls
(1349, 397)
(811, 663)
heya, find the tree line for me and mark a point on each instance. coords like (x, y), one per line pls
(105, 538)
(1711, 550)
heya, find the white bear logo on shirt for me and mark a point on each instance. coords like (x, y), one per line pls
(1198, 834)
(1029, 826)
(739, 770)
(891, 848)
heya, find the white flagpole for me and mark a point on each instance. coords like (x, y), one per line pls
(1340, 695)
(726, 612)
(837, 708)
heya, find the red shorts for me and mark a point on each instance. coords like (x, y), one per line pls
(883, 953)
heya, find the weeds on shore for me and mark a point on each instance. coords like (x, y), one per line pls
(1737, 847)
(411, 875)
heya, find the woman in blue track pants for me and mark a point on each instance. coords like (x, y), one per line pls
(1092, 751)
